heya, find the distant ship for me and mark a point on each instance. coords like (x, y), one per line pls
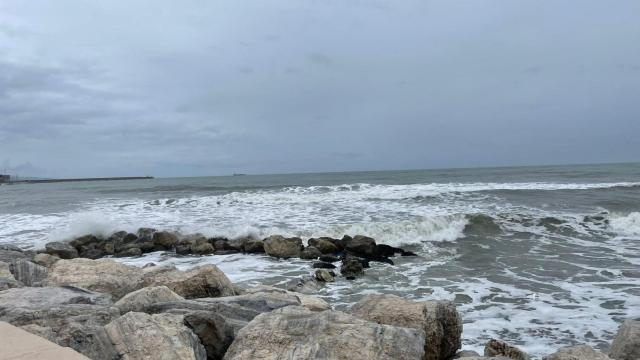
(237, 174)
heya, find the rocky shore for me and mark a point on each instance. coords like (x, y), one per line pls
(72, 294)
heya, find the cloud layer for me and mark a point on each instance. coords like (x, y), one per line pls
(201, 87)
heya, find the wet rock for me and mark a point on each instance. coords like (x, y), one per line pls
(130, 252)
(161, 336)
(84, 240)
(10, 247)
(439, 320)
(466, 354)
(203, 248)
(45, 260)
(324, 245)
(68, 316)
(500, 348)
(28, 273)
(579, 352)
(103, 275)
(61, 249)
(199, 282)
(310, 302)
(297, 333)
(626, 344)
(351, 268)
(310, 253)
(281, 247)
(226, 246)
(142, 232)
(139, 300)
(388, 251)
(253, 246)
(329, 258)
(324, 275)
(303, 285)
(323, 265)
(362, 245)
(165, 239)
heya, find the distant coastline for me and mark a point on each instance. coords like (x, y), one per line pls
(40, 181)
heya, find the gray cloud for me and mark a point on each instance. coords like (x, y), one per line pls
(197, 88)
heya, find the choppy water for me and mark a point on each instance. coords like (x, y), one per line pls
(538, 256)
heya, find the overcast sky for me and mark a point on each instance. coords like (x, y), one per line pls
(200, 87)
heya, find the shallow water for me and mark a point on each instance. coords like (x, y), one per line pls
(538, 256)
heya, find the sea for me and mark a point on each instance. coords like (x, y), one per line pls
(541, 257)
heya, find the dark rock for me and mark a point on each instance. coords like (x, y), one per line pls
(84, 240)
(222, 244)
(323, 265)
(325, 245)
(253, 246)
(351, 267)
(361, 245)
(329, 258)
(202, 248)
(142, 232)
(132, 251)
(91, 253)
(61, 249)
(388, 251)
(184, 249)
(165, 239)
(408, 253)
(310, 253)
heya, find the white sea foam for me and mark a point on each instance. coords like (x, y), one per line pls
(626, 224)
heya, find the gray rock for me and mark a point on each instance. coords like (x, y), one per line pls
(69, 316)
(28, 273)
(103, 275)
(142, 232)
(199, 282)
(324, 275)
(500, 348)
(7, 280)
(466, 354)
(161, 336)
(61, 249)
(45, 259)
(626, 344)
(10, 247)
(202, 248)
(8, 256)
(310, 253)
(439, 320)
(296, 333)
(303, 285)
(579, 352)
(140, 300)
(281, 247)
(165, 239)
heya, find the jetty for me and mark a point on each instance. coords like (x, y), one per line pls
(7, 180)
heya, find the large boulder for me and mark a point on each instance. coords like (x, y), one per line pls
(45, 259)
(68, 316)
(281, 247)
(18, 344)
(310, 253)
(103, 275)
(165, 239)
(7, 280)
(200, 282)
(61, 249)
(579, 352)
(28, 273)
(252, 245)
(500, 348)
(351, 267)
(361, 245)
(439, 320)
(297, 333)
(10, 253)
(161, 336)
(626, 344)
(325, 245)
(139, 300)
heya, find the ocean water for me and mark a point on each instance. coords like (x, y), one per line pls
(541, 257)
